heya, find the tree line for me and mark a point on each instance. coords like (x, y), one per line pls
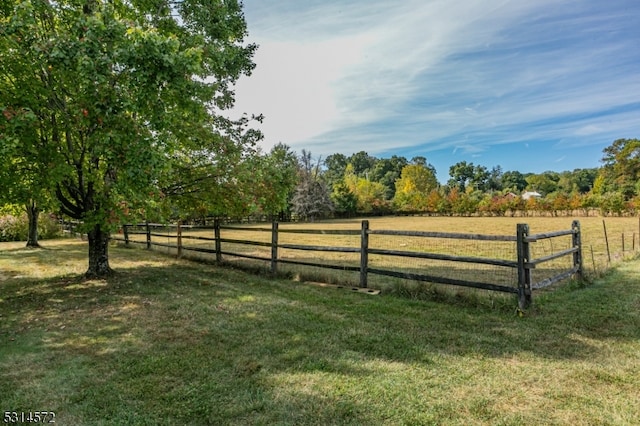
(342, 185)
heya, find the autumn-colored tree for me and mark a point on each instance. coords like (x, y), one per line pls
(436, 202)
(413, 187)
(559, 203)
(370, 195)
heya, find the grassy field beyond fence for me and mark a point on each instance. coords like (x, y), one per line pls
(168, 341)
(598, 253)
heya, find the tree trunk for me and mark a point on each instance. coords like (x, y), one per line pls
(98, 253)
(32, 213)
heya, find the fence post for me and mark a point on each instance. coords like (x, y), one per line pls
(524, 273)
(274, 247)
(179, 238)
(577, 243)
(125, 231)
(364, 253)
(148, 235)
(216, 235)
(606, 240)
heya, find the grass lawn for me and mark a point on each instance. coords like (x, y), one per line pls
(169, 341)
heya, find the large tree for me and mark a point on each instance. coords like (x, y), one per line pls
(122, 91)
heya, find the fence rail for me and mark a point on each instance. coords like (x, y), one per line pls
(524, 263)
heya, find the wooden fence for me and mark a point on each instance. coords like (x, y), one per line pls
(524, 264)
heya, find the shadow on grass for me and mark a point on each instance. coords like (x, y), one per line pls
(194, 341)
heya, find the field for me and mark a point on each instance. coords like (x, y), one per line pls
(168, 341)
(622, 233)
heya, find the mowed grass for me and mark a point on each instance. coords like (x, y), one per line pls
(169, 341)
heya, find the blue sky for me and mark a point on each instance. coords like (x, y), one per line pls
(527, 85)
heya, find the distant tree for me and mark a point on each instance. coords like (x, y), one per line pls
(335, 166)
(578, 181)
(494, 181)
(419, 160)
(461, 173)
(559, 203)
(465, 175)
(545, 183)
(344, 201)
(370, 195)
(413, 187)
(621, 170)
(612, 203)
(436, 202)
(386, 171)
(576, 203)
(496, 204)
(481, 176)
(362, 163)
(455, 204)
(513, 181)
(311, 199)
(276, 177)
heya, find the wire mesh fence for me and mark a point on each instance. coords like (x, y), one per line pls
(371, 257)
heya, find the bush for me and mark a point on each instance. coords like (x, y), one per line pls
(13, 228)
(16, 228)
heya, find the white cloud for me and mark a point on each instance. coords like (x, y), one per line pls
(382, 76)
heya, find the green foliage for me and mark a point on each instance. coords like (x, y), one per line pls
(11, 209)
(335, 166)
(621, 170)
(277, 179)
(513, 181)
(465, 175)
(479, 189)
(362, 163)
(611, 203)
(387, 171)
(344, 201)
(545, 183)
(113, 100)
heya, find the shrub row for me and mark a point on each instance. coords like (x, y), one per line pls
(16, 228)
